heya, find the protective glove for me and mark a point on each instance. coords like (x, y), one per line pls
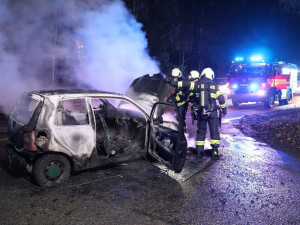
(224, 111)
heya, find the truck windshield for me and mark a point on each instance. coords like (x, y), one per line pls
(247, 70)
(25, 110)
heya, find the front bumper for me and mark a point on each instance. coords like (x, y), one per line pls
(259, 96)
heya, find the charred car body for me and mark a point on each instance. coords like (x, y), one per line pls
(56, 132)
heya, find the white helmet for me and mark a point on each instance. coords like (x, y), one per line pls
(209, 73)
(176, 72)
(194, 74)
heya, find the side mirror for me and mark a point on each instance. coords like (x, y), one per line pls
(158, 120)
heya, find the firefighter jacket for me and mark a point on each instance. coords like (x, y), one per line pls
(203, 93)
(184, 90)
(206, 95)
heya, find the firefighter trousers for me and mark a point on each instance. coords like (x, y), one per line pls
(182, 111)
(213, 122)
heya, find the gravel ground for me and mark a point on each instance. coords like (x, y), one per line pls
(280, 129)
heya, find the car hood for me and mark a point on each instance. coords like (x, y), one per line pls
(147, 90)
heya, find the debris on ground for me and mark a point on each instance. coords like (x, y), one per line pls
(280, 129)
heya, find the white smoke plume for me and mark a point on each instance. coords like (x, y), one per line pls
(116, 48)
(59, 43)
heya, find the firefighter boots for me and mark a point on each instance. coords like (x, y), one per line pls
(200, 150)
(215, 153)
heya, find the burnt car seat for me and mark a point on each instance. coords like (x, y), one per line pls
(68, 119)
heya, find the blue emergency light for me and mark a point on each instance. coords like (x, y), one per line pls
(253, 86)
(234, 86)
(256, 58)
(239, 59)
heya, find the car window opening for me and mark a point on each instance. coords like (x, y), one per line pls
(117, 129)
(72, 112)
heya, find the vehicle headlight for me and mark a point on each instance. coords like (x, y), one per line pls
(234, 86)
(261, 92)
(253, 86)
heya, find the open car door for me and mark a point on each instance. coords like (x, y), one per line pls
(166, 140)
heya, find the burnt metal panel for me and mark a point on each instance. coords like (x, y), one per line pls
(147, 90)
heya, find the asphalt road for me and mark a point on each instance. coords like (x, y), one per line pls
(252, 183)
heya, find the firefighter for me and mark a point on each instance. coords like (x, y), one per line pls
(184, 90)
(193, 78)
(207, 93)
(180, 97)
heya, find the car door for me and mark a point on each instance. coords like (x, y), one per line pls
(166, 140)
(73, 132)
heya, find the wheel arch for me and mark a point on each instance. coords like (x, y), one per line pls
(71, 161)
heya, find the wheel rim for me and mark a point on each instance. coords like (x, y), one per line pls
(271, 100)
(53, 171)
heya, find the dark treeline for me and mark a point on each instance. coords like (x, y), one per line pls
(195, 34)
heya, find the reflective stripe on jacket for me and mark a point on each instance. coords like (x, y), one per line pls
(184, 89)
(207, 93)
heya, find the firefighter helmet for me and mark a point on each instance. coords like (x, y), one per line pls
(194, 74)
(209, 73)
(176, 72)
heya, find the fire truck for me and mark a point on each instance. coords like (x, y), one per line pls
(256, 80)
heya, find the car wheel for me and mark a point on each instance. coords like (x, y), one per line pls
(269, 103)
(51, 169)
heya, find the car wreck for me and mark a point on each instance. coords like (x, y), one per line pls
(56, 132)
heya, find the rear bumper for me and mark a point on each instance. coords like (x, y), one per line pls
(15, 156)
(22, 159)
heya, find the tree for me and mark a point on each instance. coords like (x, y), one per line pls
(195, 34)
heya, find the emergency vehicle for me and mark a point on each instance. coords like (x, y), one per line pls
(256, 80)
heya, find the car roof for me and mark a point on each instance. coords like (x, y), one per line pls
(72, 92)
(78, 93)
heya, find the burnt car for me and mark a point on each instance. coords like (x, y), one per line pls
(56, 132)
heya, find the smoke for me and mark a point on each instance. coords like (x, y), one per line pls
(85, 44)
(116, 48)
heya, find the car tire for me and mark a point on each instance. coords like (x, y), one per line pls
(269, 103)
(51, 169)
